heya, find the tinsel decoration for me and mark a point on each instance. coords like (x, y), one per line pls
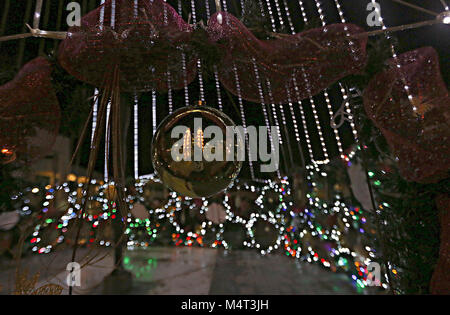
(144, 39)
(29, 114)
(440, 282)
(25, 286)
(309, 61)
(409, 103)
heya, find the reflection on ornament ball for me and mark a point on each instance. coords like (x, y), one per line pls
(194, 155)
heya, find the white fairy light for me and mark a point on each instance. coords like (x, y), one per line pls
(199, 63)
(272, 19)
(294, 120)
(94, 114)
(280, 17)
(312, 102)
(169, 76)
(343, 90)
(113, 14)
(263, 106)
(154, 104)
(216, 74)
(183, 61)
(136, 137)
(225, 8)
(136, 9)
(244, 123)
(325, 93)
(274, 112)
(394, 54)
(303, 117)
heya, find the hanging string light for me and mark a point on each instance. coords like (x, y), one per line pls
(244, 123)
(263, 106)
(216, 74)
(154, 105)
(169, 78)
(199, 63)
(183, 62)
(136, 136)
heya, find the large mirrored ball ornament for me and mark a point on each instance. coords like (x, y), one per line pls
(197, 151)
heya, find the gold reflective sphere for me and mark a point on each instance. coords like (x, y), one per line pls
(192, 153)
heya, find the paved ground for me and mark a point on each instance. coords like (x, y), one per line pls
(208, 271)
(184, 271)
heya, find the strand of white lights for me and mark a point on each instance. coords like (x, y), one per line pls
(113, 14)
(241, 106)
(244, 123)
(183, 61)
(300, 103)
(102, 14)
(272, 19)
(269, 89)
(261, 5)
(169, 76)
(263, 106)
(394, 54)
(94, 114)
(325, 93)
(303, 117)
(313, 105)
(154, 111)
(242, 6)
(136, 9)
(294, 121)
(274, 112)
(280, 16)
(169, 92)
(288, 15)
(343, 90)
(216, 74)
(284, 124)
(275, 119)
(291, 108)
(136, 137)
(199, 63)
(224, 7)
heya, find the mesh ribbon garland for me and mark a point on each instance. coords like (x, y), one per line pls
(145, 39)
(440, 282)
(417, 129)
(29, 113)
(314, 59)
